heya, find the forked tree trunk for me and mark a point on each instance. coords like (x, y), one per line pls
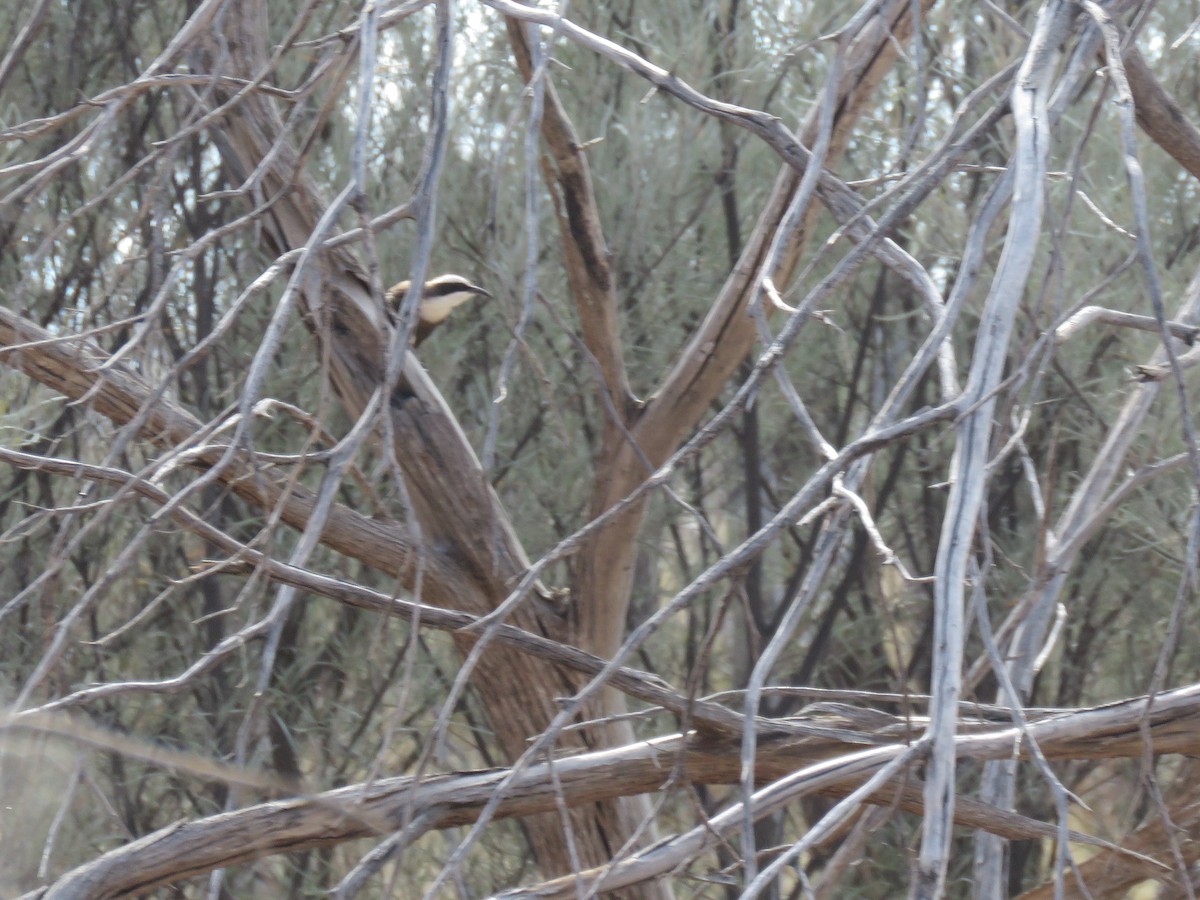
(460, 518)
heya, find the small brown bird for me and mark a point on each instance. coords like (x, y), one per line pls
(439, 298)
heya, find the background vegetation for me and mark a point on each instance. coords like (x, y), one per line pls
(844, 280)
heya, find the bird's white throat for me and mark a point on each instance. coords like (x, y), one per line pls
(435, 309)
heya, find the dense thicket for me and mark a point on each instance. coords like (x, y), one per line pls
(835, 382)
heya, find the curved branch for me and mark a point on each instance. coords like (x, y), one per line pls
(1089, 314)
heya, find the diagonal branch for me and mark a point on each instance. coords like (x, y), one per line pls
(1159, 115)
(79, 369)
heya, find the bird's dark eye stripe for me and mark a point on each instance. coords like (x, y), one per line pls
(447, 287)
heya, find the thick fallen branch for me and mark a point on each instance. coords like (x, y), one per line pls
(188, 849)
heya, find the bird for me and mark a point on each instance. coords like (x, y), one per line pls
(439, 298)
